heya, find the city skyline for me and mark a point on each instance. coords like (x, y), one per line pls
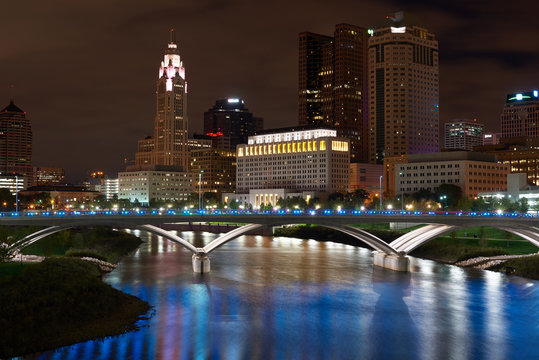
(90, 89)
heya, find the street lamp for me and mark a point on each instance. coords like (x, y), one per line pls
(200, 195)
(16, 193)
(442, 199)
(381, 176)
(402, 192)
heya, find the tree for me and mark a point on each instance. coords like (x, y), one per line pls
(6, 200)
(449, 195)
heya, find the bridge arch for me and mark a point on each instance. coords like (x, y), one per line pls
(412, 240)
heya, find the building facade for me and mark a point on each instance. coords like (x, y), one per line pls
(299, 160)
(217, 168)
(333, 84)
(366, 177)
(520, 115)
(15, 142)
(521, 154)
(472, 172)
(463, 134)
(517, 189)
(63, 196)
(491, 138)
(145, 183)
(46, 175)
(229, 123)
(403, 91)
(169, 144)
(110, 188)
(13, 182)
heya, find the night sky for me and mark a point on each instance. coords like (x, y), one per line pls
(85, 72)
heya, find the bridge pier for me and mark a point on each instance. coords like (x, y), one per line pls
(201, 263)
(399, 262)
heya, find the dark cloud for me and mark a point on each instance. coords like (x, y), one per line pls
(85, 73)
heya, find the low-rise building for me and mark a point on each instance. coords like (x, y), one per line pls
(366, 177)
(517, 188)
(144, 183)
(520, 153)
(13, 182)
(472, 172)
(62, 196)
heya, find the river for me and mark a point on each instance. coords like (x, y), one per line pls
(283, 298)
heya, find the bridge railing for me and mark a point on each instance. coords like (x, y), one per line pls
(319, 212)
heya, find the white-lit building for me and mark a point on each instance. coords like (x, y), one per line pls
(109, 187)
(517, 188)
(159, 182)
(463, 134)
(13, 182)
(296, 160)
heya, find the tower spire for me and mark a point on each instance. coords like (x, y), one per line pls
(172, 36)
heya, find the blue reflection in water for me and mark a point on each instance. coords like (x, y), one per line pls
(263, 301)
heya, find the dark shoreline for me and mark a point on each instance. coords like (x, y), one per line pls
(63, 300)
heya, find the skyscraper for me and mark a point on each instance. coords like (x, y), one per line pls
(520, 115)
(403, 90)
(169, 144)
(230, 123)
(15, 142)
(333, 84)
(463, 134)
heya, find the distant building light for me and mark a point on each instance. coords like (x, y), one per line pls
(519, 96)
(398, 30)
(535, 93)
(233, 101)
(370, 32)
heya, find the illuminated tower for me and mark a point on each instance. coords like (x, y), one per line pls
(403, 90)
(169, 145)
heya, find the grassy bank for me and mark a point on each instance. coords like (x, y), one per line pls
(525, 267)
(101, 243)
(13, 268)
(58, 302)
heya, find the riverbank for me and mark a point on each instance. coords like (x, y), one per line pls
(449, 250)
(62, 300)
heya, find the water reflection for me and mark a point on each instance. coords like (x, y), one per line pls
(291, 299)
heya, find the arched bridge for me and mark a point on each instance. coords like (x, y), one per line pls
(389, 255)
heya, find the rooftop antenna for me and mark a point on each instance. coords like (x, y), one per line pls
(172, 36)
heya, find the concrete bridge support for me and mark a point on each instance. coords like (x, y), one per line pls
(201, 264)
(399, 262)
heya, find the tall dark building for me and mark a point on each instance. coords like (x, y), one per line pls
(403, 89)
(15, 142)
(230, 123)
(333, 84)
